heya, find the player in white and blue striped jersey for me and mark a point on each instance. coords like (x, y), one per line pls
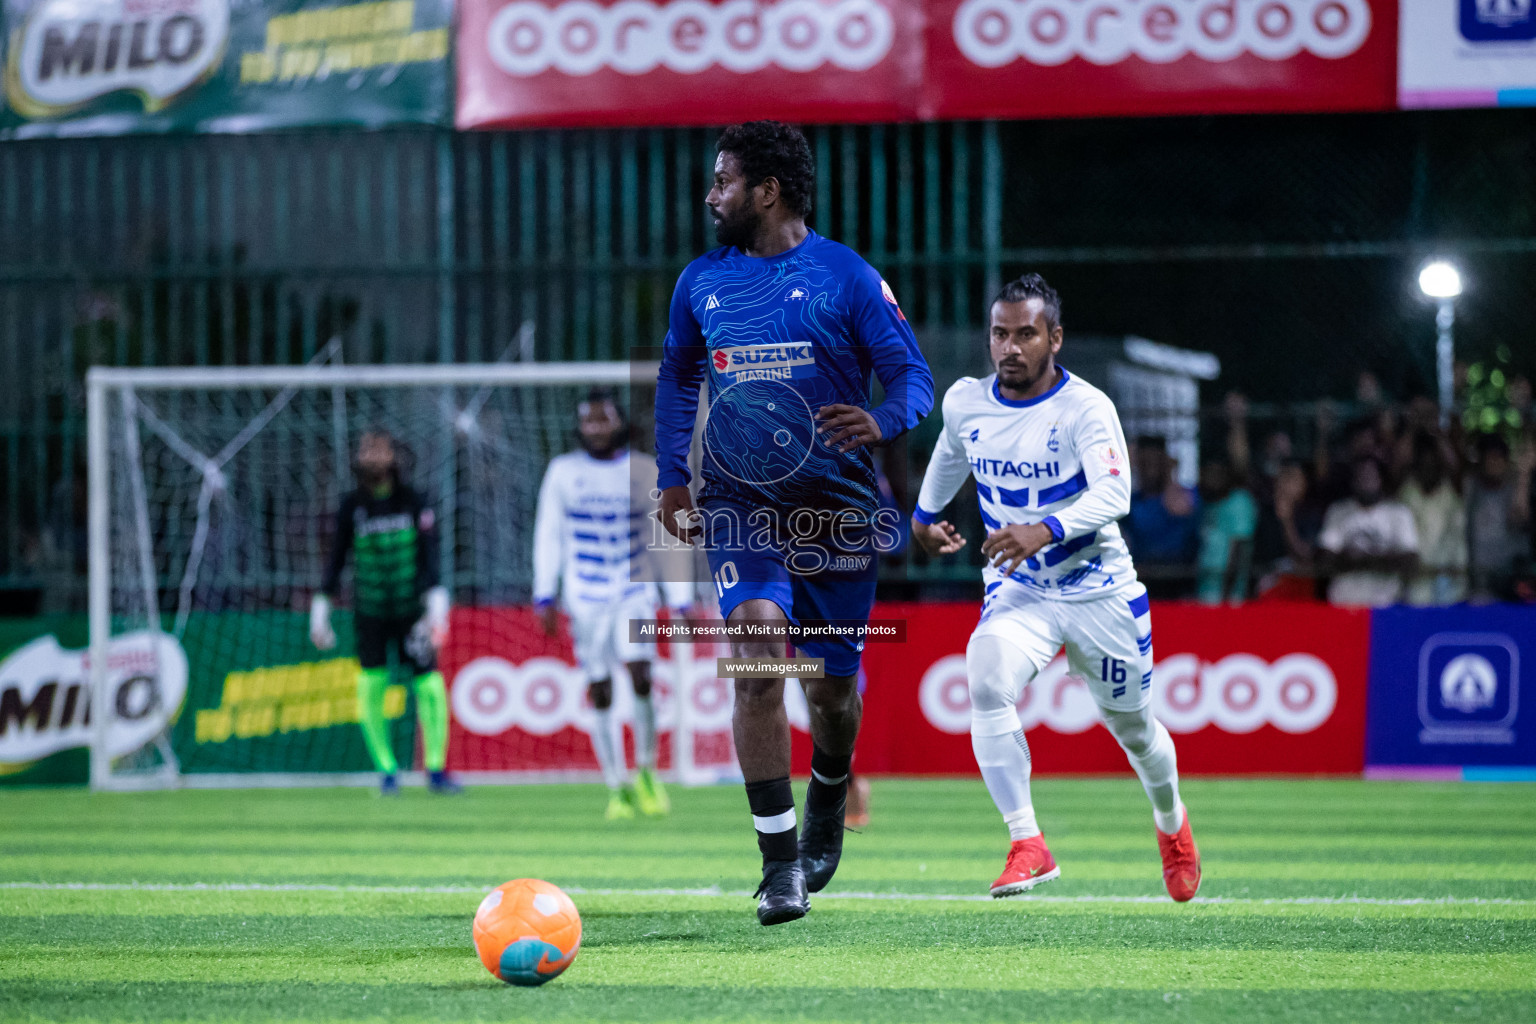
(588, 538)
(1048, 457)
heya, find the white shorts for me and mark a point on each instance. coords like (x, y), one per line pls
(601, 636)
(1108, 639)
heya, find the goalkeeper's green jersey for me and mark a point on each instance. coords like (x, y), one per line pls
(394, 543)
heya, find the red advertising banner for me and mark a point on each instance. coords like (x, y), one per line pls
(1272, 689)
(1278, 689)
(519, 703)
(684, 62)
(1085, 58)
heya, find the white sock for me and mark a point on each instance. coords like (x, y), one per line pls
(997, 670)
(1002, 753)
(1150, 750)
(1169, 822)
(645, 732)
(1021, 824)
(605, 745)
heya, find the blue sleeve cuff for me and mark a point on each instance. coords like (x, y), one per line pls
(890, 424)
(540, 603)
(671, 478)
(1051, 523)
(928, 518)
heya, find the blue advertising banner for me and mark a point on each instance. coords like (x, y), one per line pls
(1452, 687)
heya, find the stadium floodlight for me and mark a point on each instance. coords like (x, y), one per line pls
(1440, 280)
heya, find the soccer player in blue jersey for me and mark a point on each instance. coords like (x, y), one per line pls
(790, 329)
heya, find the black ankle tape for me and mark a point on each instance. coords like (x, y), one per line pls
(833, 768)
(770, 797)
(773, 799)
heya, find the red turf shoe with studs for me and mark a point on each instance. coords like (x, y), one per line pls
(1029, 864)
(1181, 862)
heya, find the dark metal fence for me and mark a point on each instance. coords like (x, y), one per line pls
(1285, 245)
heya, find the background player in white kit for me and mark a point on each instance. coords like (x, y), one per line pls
(1049, 460)
(587, 539)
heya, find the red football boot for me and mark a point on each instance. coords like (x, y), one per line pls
(1181, 862)
(1029, 864)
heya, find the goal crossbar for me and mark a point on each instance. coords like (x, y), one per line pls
(151, 378)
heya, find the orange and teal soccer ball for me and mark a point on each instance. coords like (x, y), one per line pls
(527, 931)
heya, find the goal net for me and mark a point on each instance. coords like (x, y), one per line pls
(214, 500)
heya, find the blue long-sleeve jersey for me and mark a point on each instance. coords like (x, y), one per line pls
(780, 337)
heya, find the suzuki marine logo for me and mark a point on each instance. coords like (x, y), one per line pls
(749, 358)
(634, 37)
(69, 52)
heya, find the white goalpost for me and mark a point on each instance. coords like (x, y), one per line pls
(212, 499)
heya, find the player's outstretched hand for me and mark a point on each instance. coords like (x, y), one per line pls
(1008, 548)
(846, 427)
(937, 538)
(675, 500)
(437, 616)
(549, 618)
(320, 632)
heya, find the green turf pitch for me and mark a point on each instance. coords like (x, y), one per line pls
(1323, 900)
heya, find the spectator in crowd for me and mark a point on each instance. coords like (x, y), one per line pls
(1335, 477)
(1368, 390)
(1164, 523)
(1422, 416)
(1440, 519)
(1278, 451)
(1498, 512)
(1368, 544)
(1257, 475)
(1285, 541)
(1228, 518)
(1521, 401)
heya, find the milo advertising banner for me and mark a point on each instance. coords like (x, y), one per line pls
(46, 709)
(100, 67)
(235, 692)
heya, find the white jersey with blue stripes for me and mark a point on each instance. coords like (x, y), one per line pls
(591, 533)
(1059, 459)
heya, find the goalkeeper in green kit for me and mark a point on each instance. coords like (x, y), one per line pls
(398, 601)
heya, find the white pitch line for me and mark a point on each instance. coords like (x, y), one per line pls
(714, 891)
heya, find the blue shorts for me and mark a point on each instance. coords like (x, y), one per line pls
(829, 575)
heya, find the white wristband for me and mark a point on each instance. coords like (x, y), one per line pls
(437, 605)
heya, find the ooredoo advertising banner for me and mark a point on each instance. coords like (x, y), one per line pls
(1244, 691)
(519, 702)
(580, 62)
(95, 67)
(635, 62)
(1273, 690)
(1075, 58)
(1467, 53)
